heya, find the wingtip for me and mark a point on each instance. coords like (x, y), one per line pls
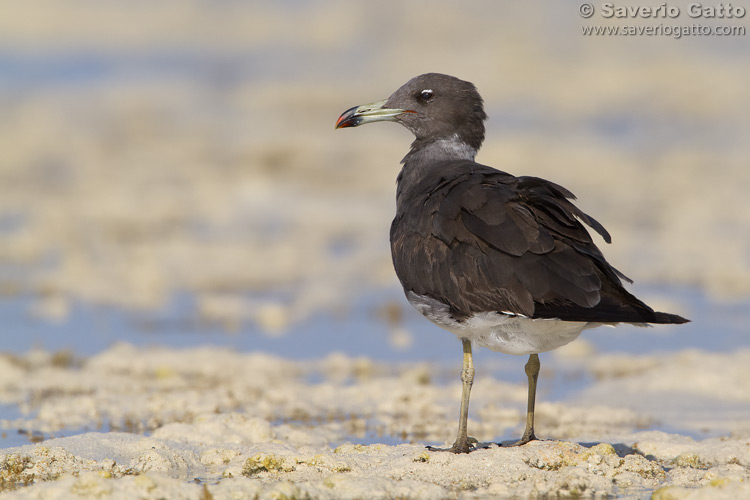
(667, 318)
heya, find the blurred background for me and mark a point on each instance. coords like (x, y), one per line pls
(170, 173)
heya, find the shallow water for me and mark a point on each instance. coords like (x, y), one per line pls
(717, 326)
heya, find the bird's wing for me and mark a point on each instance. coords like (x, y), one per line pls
(495, 242)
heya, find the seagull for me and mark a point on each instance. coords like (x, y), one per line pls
(502, 262)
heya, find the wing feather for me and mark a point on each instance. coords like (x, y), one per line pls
(478, 240)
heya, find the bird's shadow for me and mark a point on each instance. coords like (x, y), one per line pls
(621, 449)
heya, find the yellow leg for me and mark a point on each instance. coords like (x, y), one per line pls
(532, 372)
(462, 444)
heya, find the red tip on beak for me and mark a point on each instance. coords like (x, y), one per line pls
(348, 118)
(367, 113)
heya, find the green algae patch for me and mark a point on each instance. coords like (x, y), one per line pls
(563, 454)
(689, 460)
(719, 482)
(320, 461)
(264, 462)
(667, 493)
(603, 449)
(14, 472)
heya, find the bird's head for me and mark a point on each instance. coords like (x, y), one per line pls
(433, 106)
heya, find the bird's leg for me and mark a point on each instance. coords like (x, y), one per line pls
(467, 378)
(532, 372)
(462, 444)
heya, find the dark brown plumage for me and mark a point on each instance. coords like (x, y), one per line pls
(501, 261)
(479, 240)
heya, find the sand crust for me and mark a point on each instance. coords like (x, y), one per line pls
(254, 424)
(115, 465)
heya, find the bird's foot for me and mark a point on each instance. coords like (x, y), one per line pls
(460, 446)
(525, 439)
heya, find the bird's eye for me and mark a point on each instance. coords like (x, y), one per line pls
(425, 95)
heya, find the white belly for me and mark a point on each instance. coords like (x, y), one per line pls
(507, 333)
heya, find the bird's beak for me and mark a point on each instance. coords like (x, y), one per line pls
(367, 113)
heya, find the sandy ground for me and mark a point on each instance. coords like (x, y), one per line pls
(219, 424)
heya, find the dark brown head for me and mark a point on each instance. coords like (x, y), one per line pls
(433, 106)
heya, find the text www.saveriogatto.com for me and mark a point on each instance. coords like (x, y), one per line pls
(722, 19)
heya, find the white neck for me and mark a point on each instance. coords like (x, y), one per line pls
(451, 148)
